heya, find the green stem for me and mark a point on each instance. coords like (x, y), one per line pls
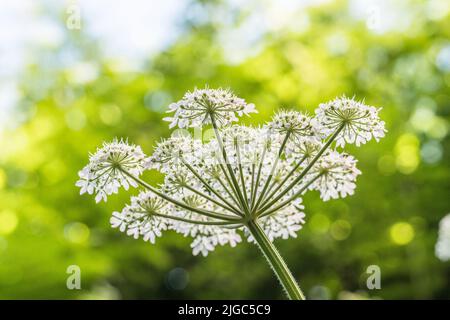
(205, 196)
(228, 165)
(211, 189)
(272, 171)
(178, 203)
(241, 172)
(277, 263)
(286, 178)
(230, 193)
(258, 176)
(286, 202)
(208, 223)
(305, 171)
(232, 187)
(252, 186)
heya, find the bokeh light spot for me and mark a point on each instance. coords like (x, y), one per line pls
(439, 128)
(340, 229)
(157, 101)
(75, 119)
(337, 44)
(54, 171)
(443, 59)
(431, 152)
(177, 279)
(110, 114)
(407, 153)
(402, 233)
(422, 119)
(386, 165)
(319, 293)
(3, 179)
(8, 222)
(3, 244)
(82, 72)
(76, 232)
(319, 223)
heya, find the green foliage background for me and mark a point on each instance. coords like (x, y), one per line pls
(391, 221)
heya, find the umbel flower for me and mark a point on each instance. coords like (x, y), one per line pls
(245, 183)
(103, 175)
(357, 122)
(196, 108)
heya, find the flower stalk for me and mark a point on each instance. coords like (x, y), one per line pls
(306, 170)
(276, 262)
(175, 202)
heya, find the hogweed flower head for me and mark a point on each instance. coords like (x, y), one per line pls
(245, 183)
(294, 123)
(336, 175)
(196, 108)
(140, 218)
(359, 122)
(103, 175)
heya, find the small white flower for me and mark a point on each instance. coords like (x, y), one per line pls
(104, 173)
(443, 243)
(337, 175)
(285, 223)
(302, 148)
(205, 237)
(197, 107)
(202, 245)
(295, 123)
(173, 152)
(360, 122)
(140, 218)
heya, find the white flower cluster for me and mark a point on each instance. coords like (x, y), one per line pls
(359, 122)
(294, 122)
(104, 176)
(443, 242)
(337, 175)
(196, 107)
(213, 189)
(140, 218)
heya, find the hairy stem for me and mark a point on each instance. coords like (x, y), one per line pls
(276, 262)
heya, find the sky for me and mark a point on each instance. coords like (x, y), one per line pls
(127, 30)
